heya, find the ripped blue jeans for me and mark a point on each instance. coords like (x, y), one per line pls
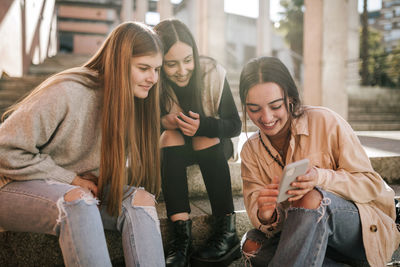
(328, 236)
(39, 206)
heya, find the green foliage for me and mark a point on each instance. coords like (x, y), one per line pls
(292, 27)
(292, 23)
(383, 67)
(394, 66)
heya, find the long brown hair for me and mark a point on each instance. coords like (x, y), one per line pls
(170, 32)
(130, 133)
(130, 150)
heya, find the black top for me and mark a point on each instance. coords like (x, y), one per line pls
(227, 126)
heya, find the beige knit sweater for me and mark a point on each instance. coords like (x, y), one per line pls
(55, 136)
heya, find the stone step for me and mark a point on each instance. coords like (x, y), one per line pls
(380, 101)
(374, 117)
(13, 92)
(60, 62)
(375, 126)
(371, 108)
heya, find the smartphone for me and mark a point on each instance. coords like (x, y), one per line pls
(179, 117)
(290, 173)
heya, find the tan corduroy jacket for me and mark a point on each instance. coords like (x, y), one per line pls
(343, 167)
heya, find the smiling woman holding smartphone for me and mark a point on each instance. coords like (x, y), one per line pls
(341, 210)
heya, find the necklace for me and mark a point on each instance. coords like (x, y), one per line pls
(269, 152)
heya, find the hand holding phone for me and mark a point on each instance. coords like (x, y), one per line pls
(188, 124)
(290, 173)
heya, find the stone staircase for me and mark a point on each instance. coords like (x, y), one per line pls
(13, 89)
(374, 109)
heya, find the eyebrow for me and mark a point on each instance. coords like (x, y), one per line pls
(147, 65)
(191, 55)
(272, 102)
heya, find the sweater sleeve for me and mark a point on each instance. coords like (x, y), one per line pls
(26, 132)
(228, 125)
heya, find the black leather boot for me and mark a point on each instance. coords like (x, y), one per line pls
(180, 247)
(223, 246)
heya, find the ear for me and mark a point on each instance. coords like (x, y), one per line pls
(291, 107)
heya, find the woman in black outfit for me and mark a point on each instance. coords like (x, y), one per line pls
(199, 117)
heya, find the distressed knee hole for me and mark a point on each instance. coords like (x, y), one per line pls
(143, 198)
(146, 201)
(80, 193)
(251, 247)
(75, 194)
(72, 196)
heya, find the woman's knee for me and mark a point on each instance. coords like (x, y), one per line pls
(143, 198)
(202, 142)
(171, 138)
(77, 193)
(311, 200)
(250, 247)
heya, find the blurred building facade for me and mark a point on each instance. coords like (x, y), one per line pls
(388, 22)
(31, 30)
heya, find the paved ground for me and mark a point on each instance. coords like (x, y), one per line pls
(380, 143)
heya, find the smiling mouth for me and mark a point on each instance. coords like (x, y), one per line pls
(182, 79)
(269, 125)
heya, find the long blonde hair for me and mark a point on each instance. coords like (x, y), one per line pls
(130, 150)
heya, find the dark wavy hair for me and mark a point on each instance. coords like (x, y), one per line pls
(269, 69)
(170, 32)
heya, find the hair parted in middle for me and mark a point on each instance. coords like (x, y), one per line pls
(130, 130)
(170, 32)
(269, 69)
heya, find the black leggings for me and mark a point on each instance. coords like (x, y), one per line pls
(214, 169)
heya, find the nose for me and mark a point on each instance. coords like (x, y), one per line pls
(182, 70)
(153, 76)
(266, 115)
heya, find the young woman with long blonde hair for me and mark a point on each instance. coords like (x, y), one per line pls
(85, 135)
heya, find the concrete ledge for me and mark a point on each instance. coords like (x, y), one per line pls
(388, 168)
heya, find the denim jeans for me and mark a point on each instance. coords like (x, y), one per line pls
(328, 236)
(39, 206)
